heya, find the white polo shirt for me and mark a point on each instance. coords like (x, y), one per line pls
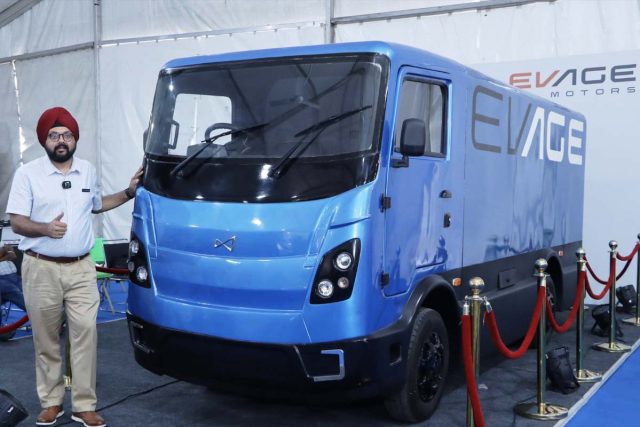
(37, 192)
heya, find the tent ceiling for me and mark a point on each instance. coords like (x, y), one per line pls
(4, 4)
(11, 9)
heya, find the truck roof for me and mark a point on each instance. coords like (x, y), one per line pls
(397, 53)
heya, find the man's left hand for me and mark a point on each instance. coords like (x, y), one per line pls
(135, 180)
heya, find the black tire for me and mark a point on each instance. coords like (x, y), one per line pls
(427, 368)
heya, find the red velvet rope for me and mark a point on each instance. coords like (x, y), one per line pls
(118, 271)
(593, 274)
(624, 269)
(630, 256)
(15, 325)
(594, 295)
(495, 333)
(472, 386)
(574, 309)
(612, 274)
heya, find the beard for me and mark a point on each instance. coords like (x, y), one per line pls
(61, 157)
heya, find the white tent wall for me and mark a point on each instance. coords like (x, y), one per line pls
(344, 8)
(9, 152)
(51, 24)
(141, 18)
(536, 30)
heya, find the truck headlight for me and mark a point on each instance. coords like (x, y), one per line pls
(343, 261)
(336, 275)
(343, 283)
(137, 263)
(141, 274)
(134, 247)
(325, 289)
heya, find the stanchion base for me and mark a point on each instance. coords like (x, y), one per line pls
(635, 321)
(67, 382)
(615, 347)
(549, 411)
(587, 376)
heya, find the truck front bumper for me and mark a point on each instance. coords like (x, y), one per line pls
(362, 367)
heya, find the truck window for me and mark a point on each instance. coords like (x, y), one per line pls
(315, 120)
(425, 101)
(193, 113)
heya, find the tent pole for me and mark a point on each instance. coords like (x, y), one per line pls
(97, 36)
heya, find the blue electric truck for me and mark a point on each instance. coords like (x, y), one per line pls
(310, 218)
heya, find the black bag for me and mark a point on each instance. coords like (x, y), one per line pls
(627, 297)
(560, 371)
(11, 411)
(602, 320)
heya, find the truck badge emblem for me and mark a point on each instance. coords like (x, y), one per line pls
(228, 244)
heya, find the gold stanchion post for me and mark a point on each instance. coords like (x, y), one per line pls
(540, 410)
(582, 375)
(612, 346)
(476, 284)
(635, 321)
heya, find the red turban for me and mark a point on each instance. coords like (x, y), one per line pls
(53, 117)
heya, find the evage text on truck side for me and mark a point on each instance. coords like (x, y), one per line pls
(310, 218)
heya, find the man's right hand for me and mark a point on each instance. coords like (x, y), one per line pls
(56, 228)
(7, 253)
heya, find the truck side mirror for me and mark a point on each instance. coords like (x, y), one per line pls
(412, 141)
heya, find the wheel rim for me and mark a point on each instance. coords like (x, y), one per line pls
(430, 367)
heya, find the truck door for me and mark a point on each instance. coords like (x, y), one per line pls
(423, 214)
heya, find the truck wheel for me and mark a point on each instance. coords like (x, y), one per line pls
(427, 367)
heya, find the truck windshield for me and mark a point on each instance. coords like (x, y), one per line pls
(273, 130)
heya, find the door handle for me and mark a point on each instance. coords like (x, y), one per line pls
(445, 194)
(447, 220)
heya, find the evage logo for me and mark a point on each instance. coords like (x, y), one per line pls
(552, 134)
(587, 81)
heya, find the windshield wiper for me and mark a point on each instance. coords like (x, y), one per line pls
(303, 144)
(207, 142)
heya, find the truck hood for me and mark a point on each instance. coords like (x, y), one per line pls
(251, 230)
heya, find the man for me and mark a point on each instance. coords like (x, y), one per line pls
(10, 285)
(50, 203)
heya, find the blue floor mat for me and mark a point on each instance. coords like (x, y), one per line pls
(615, 403)
(117, 292)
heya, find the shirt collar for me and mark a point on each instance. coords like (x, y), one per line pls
(50, 169)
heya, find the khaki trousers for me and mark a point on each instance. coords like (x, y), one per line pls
(47, 286)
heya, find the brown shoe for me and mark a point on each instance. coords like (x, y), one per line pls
(49, 416)
(89, 419)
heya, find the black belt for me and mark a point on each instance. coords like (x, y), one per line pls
(58, 259)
